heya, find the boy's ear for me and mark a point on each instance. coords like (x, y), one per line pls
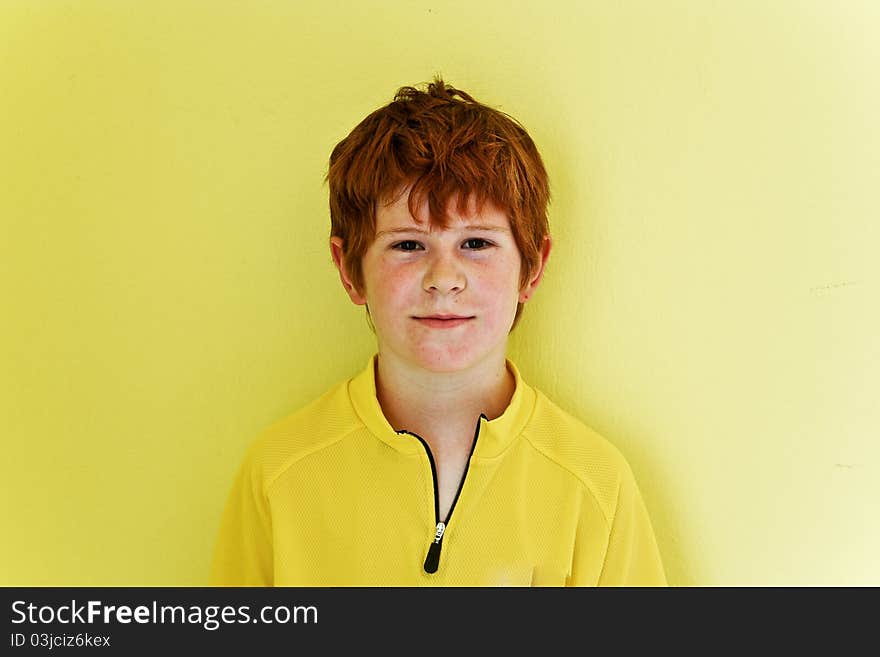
(538, 272)
(336, 244)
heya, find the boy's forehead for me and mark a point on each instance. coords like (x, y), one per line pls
(397, 215)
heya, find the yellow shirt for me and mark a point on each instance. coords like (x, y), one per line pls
(332, 495)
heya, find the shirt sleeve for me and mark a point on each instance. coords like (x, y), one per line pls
(632, 557)
(243, 553)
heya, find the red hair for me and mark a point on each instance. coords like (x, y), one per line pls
(439, 143)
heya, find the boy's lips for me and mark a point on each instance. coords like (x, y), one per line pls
(443, 321)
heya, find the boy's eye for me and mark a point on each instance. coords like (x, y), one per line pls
(474, 244)
(481, 243)
(406, 245)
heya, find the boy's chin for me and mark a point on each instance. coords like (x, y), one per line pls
(446, 361)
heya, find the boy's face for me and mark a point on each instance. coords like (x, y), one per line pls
(412, 277)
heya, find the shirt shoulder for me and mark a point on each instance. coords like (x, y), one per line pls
(578, 449)
(311, 428)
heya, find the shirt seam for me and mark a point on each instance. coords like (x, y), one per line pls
(610, 537)
(301, 455)
(584, 484)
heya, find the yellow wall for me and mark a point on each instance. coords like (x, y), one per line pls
(711, 305)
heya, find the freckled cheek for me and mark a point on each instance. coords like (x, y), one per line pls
(493, 297)
(392, 293)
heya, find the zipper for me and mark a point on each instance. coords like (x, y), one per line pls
(432, 559)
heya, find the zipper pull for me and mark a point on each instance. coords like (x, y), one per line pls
(432, 561)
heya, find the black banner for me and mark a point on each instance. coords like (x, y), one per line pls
(179, 620)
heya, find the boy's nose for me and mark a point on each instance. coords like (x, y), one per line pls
(444, 275)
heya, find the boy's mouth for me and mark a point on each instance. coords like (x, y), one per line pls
(443, 321)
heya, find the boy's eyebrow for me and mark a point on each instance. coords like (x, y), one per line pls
(390, 231)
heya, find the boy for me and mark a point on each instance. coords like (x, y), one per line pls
(437, 464)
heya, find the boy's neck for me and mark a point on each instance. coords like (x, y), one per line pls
(435, 405)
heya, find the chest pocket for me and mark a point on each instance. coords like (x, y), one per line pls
(527, 576)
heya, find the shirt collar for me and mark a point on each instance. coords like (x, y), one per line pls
(496, 435)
